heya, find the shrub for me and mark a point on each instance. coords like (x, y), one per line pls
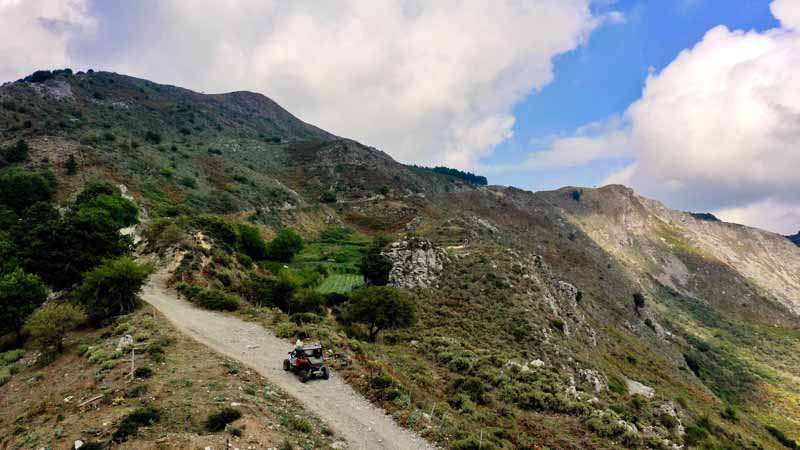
(143, 372)
(49, 324)
(328, 197)
(20, 294)
(730, 414)
(459, 364)
(300, 424)
(218, 421)
(216, 300)
(72, 168)
(92, 446)
(17, 152)
(286, 330)
(782, 438)
(111, 288)
(251, 243)
(130, 424)
(380, 308)
(20, 188)
(306, 301)
(285, 245)
(472, 443)
(152, 137)
(474, 387)
(638, 300)
(305, 317)
(381, 382)
(576, 195)
(189, 182)
(271, 291)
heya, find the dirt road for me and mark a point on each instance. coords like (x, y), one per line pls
(364, 426)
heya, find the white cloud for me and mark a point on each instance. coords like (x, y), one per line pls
(599, 140)
(430, 82)
(716, 130)
(36, 34)
(768, 214)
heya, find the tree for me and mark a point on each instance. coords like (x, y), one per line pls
(285, 245)
(72, 165)
(17, 152)
(20, 188)
(50, 323)
(251, 242)
(270, 291)
(20, 294)
(638, 300)
(380, 308)
(116, 211)
(375, 266)
(111, 289)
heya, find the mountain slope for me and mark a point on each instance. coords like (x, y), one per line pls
(552, 313)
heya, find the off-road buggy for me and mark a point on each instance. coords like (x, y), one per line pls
(306, 362)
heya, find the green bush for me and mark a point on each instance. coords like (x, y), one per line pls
(20, 294)
(305, 317)
(143, 372)
(129, 426)
(300, 424)
(50, 323)
(219, 420)
(374, 265)
(112, 288)
(251, 243)
(286, 330)
(473, 387)
(285, 245)
(216, 300)
(306, 301)
(20, 188)
(472, 443)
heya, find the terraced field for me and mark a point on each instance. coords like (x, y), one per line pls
(340, 283)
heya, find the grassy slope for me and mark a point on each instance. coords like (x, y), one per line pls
(39, 405)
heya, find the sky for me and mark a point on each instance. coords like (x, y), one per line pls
(693, 102)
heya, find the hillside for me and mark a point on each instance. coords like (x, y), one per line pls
(570, 319)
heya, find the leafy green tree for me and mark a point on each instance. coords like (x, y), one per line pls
(251, 242)
(111, 289)
(92, 190)
(379, 308)
(375, 266)
(59, 249)
(20, 294)
(285, 245)
(306, 301)
(20, 188)
(49, 324)
(270, 291)
(114, 210)
(8, 255)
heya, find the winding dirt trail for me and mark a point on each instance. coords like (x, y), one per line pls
(364, 426)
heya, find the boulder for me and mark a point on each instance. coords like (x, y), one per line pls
(415, 263)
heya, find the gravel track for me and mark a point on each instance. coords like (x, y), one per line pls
(364, 426)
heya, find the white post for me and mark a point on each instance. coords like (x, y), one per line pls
(480, 442)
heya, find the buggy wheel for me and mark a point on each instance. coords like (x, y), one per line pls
(286, 365)
(303, 376)
(325, 373)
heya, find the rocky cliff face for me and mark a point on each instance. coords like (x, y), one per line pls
(416, 263)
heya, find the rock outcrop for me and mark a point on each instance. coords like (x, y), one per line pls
(416, 263)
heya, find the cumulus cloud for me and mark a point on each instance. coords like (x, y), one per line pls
(36, 34)
(716, 130)
(429, 82)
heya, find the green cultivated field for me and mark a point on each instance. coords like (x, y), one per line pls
(341, 283)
